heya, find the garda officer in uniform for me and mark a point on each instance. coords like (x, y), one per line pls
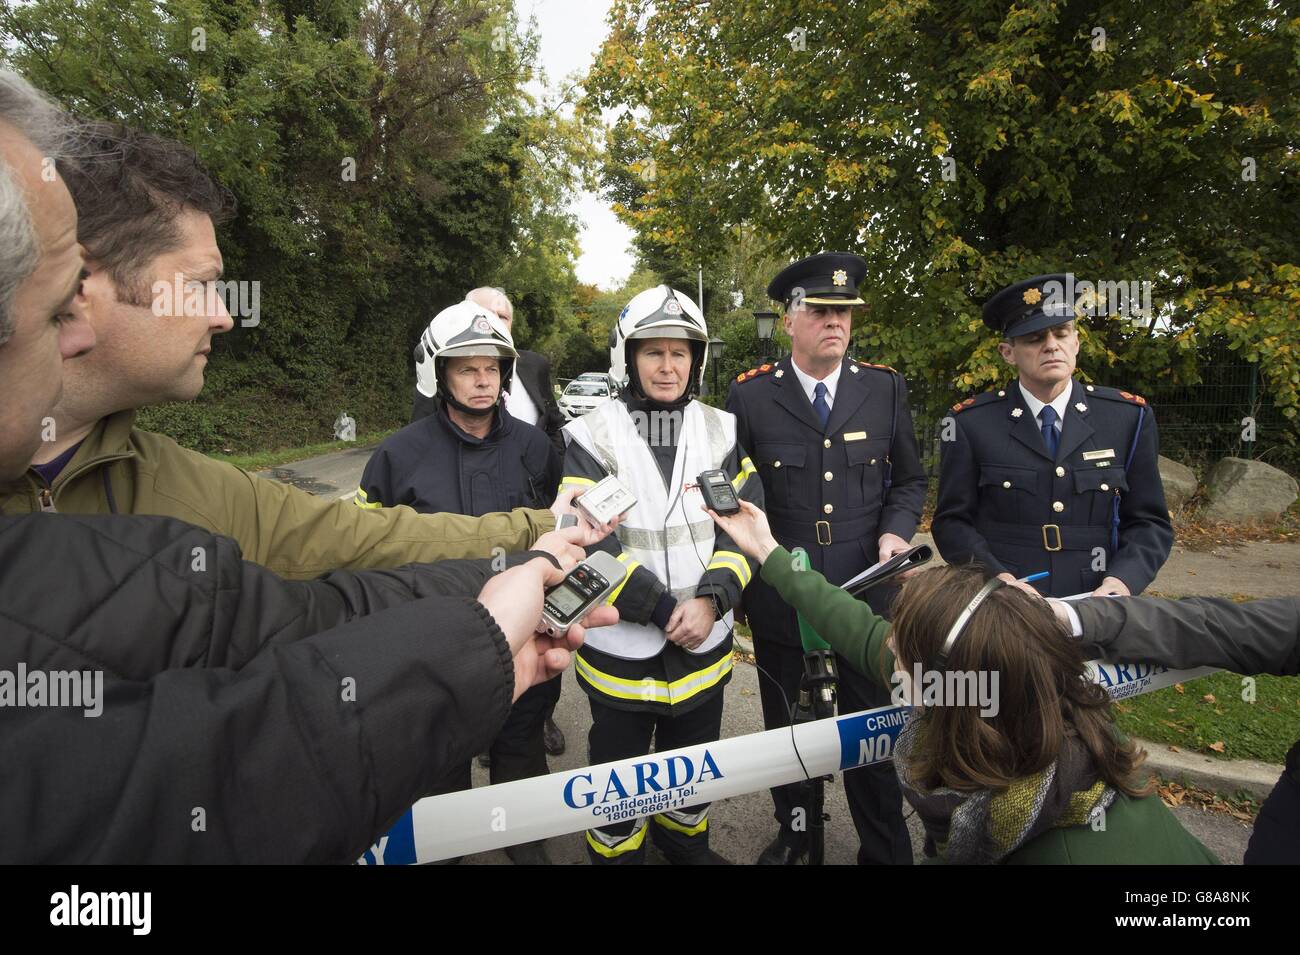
(833, 442)
(1046, 473)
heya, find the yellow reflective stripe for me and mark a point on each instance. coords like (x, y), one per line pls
(630, 844)
(624, 689)
(572, 480)
(746, 469)
(734, 562)
(695, 830)
(709, 676)
(360, 499)
(656, 691)
(631, 566)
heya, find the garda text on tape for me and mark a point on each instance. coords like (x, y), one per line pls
(492, 817)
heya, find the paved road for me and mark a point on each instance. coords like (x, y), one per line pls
(743, 826)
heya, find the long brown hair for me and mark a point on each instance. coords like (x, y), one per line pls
(1044, 694)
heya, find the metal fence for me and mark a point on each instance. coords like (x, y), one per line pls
(1199, 424)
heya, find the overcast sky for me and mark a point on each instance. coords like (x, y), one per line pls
(571, 32)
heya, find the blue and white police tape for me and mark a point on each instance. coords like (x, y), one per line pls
(492, 817)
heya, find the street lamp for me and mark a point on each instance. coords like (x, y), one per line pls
(766, 322)
(715, 356)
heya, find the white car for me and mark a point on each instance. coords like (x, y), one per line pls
(583, 395)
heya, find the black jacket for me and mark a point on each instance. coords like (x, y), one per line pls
(433, 466)
(1007, 503)
(245, 718)
(533, 371)
(824, 488)
(1258, 636)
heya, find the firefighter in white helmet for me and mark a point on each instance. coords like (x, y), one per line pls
(470, 457)
(658, 675)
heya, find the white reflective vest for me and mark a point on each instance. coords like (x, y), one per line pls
(666, 531)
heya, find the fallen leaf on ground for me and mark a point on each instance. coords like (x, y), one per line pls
(1218, 747)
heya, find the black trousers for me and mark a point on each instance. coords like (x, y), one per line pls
(621, 734)
(1276, 839)
(875, 800)
(518, 751)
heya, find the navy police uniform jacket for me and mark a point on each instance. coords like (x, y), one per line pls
(1005, 502)
(825, 488)
(433, 466)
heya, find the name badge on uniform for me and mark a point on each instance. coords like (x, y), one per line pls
(855, 436)
(1094, 455)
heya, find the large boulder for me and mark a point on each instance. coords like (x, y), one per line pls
(1179, 481)
(1239, 490)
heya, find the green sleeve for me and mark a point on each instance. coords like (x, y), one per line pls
(843, 621)
(300, 536)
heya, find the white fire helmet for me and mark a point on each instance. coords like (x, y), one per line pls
(461, 331)
(659, 312)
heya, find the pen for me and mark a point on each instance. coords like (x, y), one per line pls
(1032, 577)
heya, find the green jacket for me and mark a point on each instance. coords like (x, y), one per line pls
(1137, 831)
(295, 534)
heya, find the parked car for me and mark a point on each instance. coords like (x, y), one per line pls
(600, 376)
(583, 395)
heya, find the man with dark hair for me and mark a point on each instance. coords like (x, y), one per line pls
(1047, 473)
(218, 731)
(149, 212)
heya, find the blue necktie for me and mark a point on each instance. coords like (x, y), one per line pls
(1050, 437)
(819, 403)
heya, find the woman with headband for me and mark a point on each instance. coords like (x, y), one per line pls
(1040, 776)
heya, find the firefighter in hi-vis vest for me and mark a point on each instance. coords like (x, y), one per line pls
(658, 674)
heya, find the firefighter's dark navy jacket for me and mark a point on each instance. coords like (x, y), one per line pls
(432, 465)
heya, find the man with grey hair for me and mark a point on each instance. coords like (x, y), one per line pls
(177, 626)
(147, 217)
(40, 270)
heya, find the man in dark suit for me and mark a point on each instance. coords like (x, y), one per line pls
(833, 441)
(1048, 474)
(531, 397)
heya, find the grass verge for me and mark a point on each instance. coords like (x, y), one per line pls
(261, 460)
(1209, 716)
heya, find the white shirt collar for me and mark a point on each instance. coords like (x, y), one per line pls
(809, 383)
(520, 404)
(1059, 404)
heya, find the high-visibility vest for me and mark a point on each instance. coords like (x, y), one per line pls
(666, 531)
